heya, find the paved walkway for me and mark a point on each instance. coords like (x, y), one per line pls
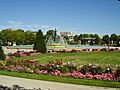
(45, 85)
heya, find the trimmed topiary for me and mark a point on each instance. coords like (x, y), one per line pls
(39, 44)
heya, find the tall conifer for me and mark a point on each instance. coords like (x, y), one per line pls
(40, 45)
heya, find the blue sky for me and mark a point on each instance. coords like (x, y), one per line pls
(78, 16)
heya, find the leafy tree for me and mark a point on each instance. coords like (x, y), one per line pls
(76, 38)
(19, 37)
(29, 38)
(7, 36)
(80, 38)
(91, 42)
(39, 44)
(2, 56)
(86, 36)
(114, 38)
(97, 39)
(106, 39)
(118, 42)
(92, 35)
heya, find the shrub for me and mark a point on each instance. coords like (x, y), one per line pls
(118, 71)
(93, 68)
(2, 56)
(70, 66)
(108, 69)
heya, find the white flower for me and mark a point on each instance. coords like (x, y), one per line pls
(90, 64)
(116, 65)
(68, 62)
(108, 68)
(81, 66)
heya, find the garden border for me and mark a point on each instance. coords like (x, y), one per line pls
(62, 79)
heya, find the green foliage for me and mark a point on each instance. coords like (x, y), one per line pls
(93, 68)
(76, 38)
(2, 56)
(19, 36)
(114, 38)
(29, 38)
(39, 44)
(106, 39)
(97, 39)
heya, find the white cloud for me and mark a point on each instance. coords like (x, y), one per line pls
(15, 22)
(22, 25)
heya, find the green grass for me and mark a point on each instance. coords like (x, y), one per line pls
(101, 58)
(63, 79)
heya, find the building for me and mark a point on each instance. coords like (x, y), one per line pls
(67, 34)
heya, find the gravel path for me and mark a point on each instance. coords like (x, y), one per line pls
(45, 85)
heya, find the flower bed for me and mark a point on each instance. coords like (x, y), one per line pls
(21, 54)
(58, 68)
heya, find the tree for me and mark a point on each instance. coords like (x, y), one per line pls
(40, 45)
(76, 38)
(81, 38)
(29, 38)
(106, 39)
(2, 56)
(19, 37)
(7, 35)
(114, 38)
(118, 42)
(97, 39)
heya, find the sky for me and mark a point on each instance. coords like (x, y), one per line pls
(78, 16)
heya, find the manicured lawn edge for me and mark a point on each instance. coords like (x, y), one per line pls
(62, 79)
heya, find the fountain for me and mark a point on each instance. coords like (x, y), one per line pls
(56, 40)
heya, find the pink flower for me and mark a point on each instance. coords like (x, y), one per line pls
(98, 77)
(8, 57)
(89, 75)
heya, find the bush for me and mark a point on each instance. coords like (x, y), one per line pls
(118, 71)
(93, 68)
(2, 56)
(108, 69)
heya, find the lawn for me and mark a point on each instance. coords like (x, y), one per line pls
(102, 58)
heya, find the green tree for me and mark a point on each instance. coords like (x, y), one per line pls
(39, 44)
(118, 42)
(91, 42)
(97, 39)
(106, 39)
(114, 38)
(7, 35)
(19, 37)
(29, 38)
(81, 38)
(2, 56)
(76, 38)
